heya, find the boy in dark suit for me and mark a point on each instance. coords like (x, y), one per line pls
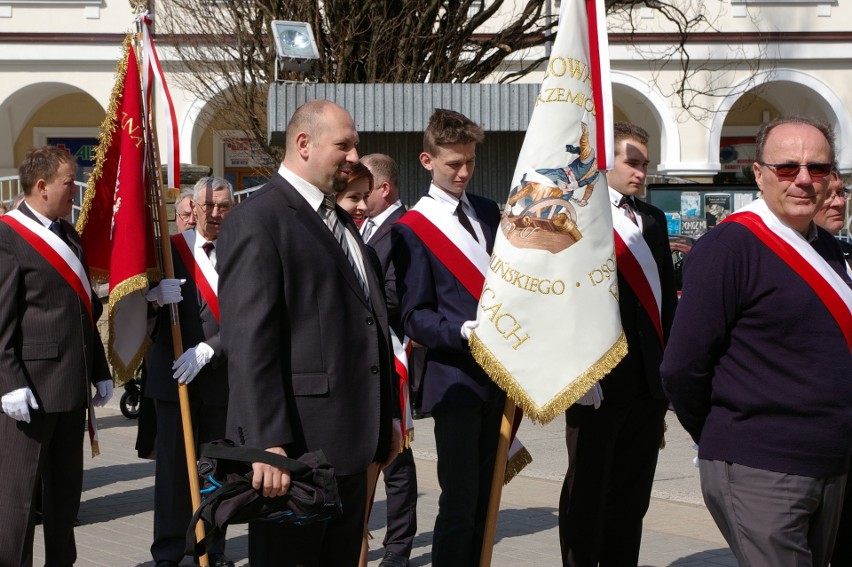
(438, 311)
(613, 433)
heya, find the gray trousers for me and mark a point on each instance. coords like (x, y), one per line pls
(773, 519)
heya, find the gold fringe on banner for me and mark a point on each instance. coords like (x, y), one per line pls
(107, 131)
(124, 373)
(516, 464)
(561, 401)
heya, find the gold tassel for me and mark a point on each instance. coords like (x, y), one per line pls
(570, 394)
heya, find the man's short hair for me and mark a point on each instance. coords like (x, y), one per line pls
(767, 127)
(450, 127)
(629, 131)
(384, 167)
(307, 118)
(42, 163)
(211, 184)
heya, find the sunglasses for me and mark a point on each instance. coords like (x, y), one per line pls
(791, 170)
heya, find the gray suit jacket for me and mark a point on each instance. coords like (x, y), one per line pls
(309, 359)
(48, 341)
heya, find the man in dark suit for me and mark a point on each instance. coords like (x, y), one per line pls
(202, 367)
(305, 329)
(438, 311)
(383, 209)
(50, 356)
(614, 432)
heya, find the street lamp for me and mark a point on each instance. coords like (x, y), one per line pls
(295, 46)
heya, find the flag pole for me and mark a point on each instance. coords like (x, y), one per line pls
(497, 479)
(164, 242)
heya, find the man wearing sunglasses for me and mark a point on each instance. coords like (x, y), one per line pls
(758, 364)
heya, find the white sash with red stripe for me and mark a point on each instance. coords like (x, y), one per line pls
(55, 251)
(200, 268)
(797, 253)
(401, 349)
(449, 242)
(636, 263)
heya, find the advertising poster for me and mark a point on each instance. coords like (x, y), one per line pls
(717, 206)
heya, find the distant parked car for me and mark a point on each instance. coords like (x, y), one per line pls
(681, 245)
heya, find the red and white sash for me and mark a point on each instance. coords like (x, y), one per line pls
(200, 268)
(450, 243)
(636, 263)
(797, 253)
(55, 251)
(401, 350)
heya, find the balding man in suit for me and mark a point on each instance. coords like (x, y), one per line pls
(50, 357)
(305, 330)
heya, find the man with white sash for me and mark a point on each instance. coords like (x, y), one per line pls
(441, 249)
(613, 434)
(759, 367)
(50, 357)
(202, 366)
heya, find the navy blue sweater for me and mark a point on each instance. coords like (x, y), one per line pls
(756, 367)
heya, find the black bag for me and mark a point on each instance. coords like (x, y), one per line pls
(227, 496)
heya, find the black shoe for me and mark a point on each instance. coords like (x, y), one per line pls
(167, 563)
(220, 560)
(392, 559)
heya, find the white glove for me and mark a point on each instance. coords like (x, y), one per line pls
(17, 404)
(191, 362)
(467, 327)
(695, 458)
(104, 393)
(167, 291)
(593, 397)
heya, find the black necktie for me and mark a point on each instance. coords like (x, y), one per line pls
(626, 203)
(56, 228)
(465, 221)
(208, 249)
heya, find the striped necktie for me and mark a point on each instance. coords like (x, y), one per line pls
(328, 208)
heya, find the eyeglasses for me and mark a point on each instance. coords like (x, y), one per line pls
(208, 207)
(791, 170)
(184, 215)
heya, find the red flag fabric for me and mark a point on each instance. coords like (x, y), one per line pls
(115, 223)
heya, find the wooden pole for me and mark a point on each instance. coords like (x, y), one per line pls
(165, 243)
(500, 463)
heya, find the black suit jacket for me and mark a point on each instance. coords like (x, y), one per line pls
(380, 241)
(434, 305)
(47, 339)
(309, 359)
(197, 324)
(638, 374)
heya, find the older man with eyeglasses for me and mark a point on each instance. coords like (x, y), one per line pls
(202, 366)
(184, 214)
(758, 365)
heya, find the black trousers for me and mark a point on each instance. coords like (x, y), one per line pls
(612, 456)
(466, 440)
(333, 543)
(401, 490)
(49, 448)
(172, 499)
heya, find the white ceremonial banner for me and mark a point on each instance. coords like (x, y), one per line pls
(549, 326)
